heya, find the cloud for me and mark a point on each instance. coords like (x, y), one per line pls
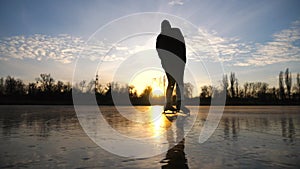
(61, 48)
(209, 46)
(176, 2)
(283, 47)
(202, 45)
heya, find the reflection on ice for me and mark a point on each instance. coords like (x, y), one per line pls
(247, 137)
(140, 138)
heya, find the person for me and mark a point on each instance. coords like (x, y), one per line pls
(170, 46)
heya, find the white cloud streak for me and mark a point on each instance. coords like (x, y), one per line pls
(176, 2)
(62, 48)
(59, 48)
(284, 47)
(207, 45)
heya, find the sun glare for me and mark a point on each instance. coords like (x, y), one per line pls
(153, 78)
(157, 90)
(160, 122)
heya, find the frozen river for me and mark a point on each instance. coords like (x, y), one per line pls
(246, 137)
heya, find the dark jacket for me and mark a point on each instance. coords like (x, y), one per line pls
(171, 41)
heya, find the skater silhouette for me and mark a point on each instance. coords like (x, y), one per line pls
(170, 46)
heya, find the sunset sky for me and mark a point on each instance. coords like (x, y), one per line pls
(254, 38)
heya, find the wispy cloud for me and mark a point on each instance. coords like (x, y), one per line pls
(208, 45)
(61, 48)
(282, 48)
(176, 2)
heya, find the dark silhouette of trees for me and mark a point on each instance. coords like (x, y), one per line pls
(2, 86)
(281, 86)
(32, 89)
(61, 88)
(237, 88)
(256, 93)
(246, 87)
(10, 85)
(225, 83)
(46, 91)
(298, 84)
(288, 82)
(144, 97)
(46, 82)
(296, 88)
(232, 83)
(58, 88)
(132, 91)
(206, 91)
(67, 88)
(14, 86)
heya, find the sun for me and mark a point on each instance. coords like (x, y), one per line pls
(157, 90)
(153, 78)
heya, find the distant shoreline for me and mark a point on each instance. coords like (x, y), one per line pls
(69, 104)
(108, 101)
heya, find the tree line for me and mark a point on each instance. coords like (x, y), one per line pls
(255, 93)
(46, 90)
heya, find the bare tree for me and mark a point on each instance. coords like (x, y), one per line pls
(10, 85)
(59, 86)
(67, 87)
(91, 86)
(264, 87)
(274, 93)
(20, 87)
(246, 86)
(252, 89)
(288, 82)
(232, 82)
(237, 88)
(32, 88)
(298, 83)
(132, 91)
(14, 86)
(225, 83)
(82, 85)
(206, 91)
(188, 90)
(281, 87)
(46, 81)
(262, 90)
(1, 86)
(145, 94)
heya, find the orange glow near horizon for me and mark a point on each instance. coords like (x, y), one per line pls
(152, 78)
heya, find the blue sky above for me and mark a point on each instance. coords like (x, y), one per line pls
(255, 39)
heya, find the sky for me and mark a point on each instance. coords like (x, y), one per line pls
(256, 39)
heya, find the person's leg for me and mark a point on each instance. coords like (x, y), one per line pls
(179, 87)
(180, 105)
(169, 91)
